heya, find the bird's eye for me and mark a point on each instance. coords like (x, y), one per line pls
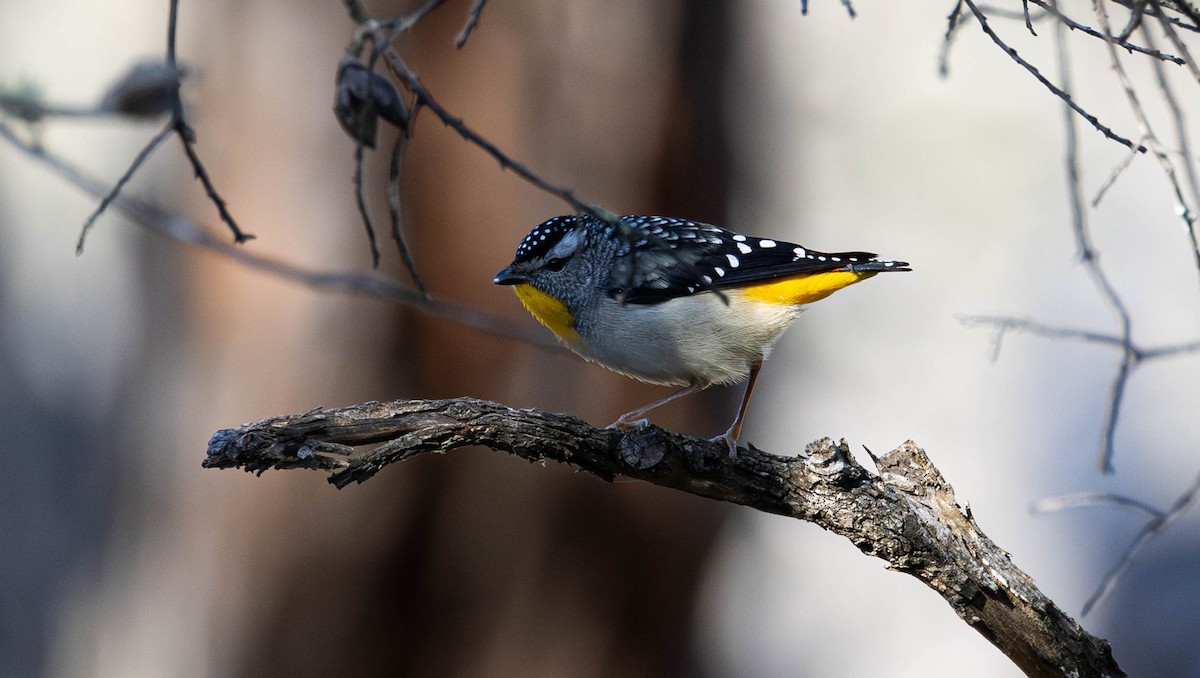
(556, 264)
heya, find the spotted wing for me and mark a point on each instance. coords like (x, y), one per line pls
(676, 257)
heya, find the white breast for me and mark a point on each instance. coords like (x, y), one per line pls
(690, 340)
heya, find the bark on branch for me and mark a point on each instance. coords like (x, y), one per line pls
(906, 515)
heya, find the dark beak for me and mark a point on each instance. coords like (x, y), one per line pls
(507, 277)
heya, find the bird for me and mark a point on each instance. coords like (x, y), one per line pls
(672, 301)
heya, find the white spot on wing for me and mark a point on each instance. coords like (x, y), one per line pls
(733, 261)
(766, 244)
(744, 248)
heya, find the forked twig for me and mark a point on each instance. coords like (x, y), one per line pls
(1012, 53)
(1158, 523)
(187, 136)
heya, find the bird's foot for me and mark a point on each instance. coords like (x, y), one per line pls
(624, 424)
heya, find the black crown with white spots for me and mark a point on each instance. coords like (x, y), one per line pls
(678, 257)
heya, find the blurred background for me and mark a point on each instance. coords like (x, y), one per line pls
(120, 556)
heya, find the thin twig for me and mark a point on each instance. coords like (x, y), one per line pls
(116, 189)
(953, 23)
(209, 189)
(1186, 212)
(1183, 142)
(1135, 20)
(1112, 414)
(360, 195)
(1123, 42)
(1112, 178)
(1007, 13)
(1177, 42)
(188, 232)
(1153, 528)
(1006, 324)
(1092, 499)
(187, 136)
(1087, 255)
(634, 268)
(393, 195)
(1012, 53)
(472, 21)
(1140, 6)
(1038, 329)
(1168, 351)
(1132, 356)
(1083, 243)
(401, 70)
(172, 23)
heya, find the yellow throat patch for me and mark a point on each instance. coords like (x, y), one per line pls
(550, 312)
(802, 289)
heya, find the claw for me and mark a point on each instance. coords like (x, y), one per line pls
(624, 424)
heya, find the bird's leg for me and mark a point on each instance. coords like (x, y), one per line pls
(730, 437)
(635, 418)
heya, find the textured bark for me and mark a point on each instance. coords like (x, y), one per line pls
(907, 514)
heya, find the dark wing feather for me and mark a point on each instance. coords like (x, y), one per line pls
(676, 257)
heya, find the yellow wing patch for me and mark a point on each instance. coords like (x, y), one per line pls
(801, 289)
(550, 312)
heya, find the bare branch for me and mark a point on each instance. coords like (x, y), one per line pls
(907, 515)
(1142, 7)
(1006, 323)
(410, 79)
(1063, 19)
(953, 23)
(177, 228)
(187, 136)
(393, 195)
(1185, 211)
(116, 189)
(634, 268)
(472, 21)
(1131, 357)
(1012, 53)
(1116, 397)
(188, 139)
(1183, 143)
(1156, 526)
(1092, 499)
(172, 24)
(1083, 243)
(360, 198)
(1112, 178)
(1087, 255)
(1179, 45)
